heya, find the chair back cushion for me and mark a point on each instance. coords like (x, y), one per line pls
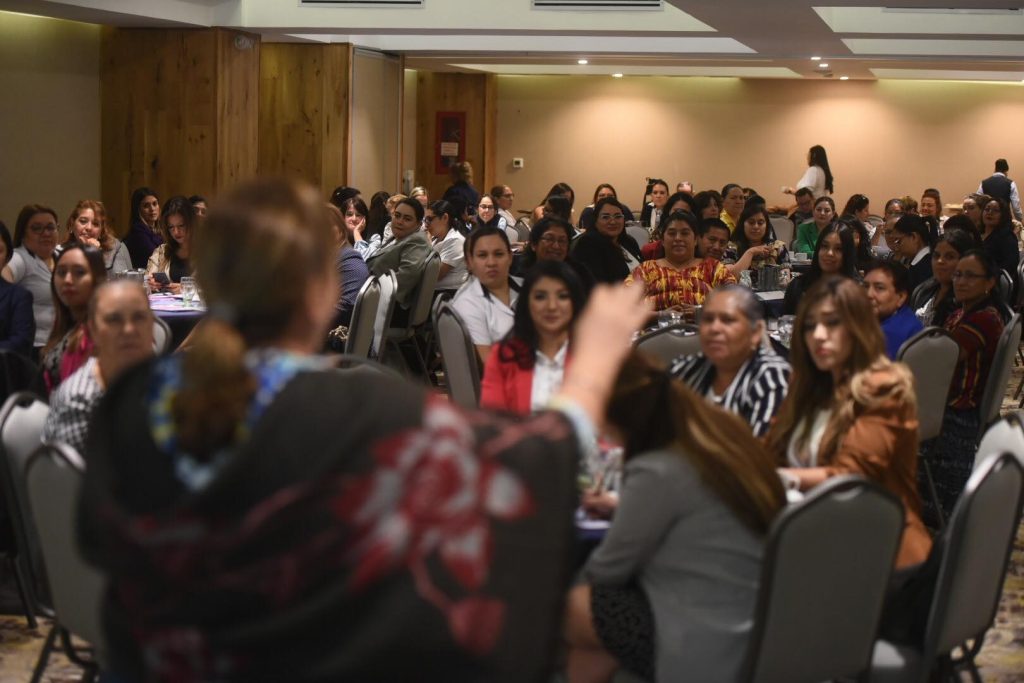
(1005, 435)
(639, 233)
(424, 296)
(458, 356)
(386, 306)
(364, 313)
(999, 374)
(161, 336)
(977, 543)
(826, 569)
(53, 477)
(784, 228)
(931, 355)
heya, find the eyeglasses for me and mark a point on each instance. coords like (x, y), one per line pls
(49, 229)
(960, 275)
(559, 241)
(611, 216)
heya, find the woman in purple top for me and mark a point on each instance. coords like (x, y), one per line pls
(352, 270)
(144, 235)
(17, 325)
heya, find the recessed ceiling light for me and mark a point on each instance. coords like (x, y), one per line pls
(616, 75)
(823, 65)
(844, 78)
(581, 62)
(815, 59)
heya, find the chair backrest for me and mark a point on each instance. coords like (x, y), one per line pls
(53, 477)
(1005, 285)
(826, 568)
(876, 220)
(458, 357)
(1018, 302)
(977, 545)
(784, 228)
(364, 313)
(1005, 435)
(639, 233)
(21, 433)
(161, 336)
(999, 373)
(385, 307)
(669, 343)
(919, 296)
(419, 307)
(522, 228)
(931, 355)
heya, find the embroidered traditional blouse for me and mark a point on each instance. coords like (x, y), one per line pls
(667, 287)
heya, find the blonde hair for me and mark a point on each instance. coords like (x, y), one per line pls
(261, 245)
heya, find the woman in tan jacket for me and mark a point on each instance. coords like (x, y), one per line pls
(850, 410)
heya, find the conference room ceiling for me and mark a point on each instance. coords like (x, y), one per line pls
(975, 40)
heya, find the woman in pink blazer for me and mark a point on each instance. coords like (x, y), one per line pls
(525, 370)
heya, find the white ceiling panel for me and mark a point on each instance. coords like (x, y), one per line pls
(936, 48)
(582, 45)
(911, 21)
(949, 75)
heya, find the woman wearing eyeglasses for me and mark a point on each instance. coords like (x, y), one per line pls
(31, 266)
(607, 250)
(976, 327)
(446, 238)
(997, 238)
(911, 239)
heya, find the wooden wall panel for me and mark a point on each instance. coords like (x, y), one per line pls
(179, 113)
(304, 119)
(474, 94)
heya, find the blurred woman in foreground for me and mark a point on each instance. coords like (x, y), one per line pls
(262, 538)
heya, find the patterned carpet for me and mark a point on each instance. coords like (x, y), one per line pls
(1001, 659)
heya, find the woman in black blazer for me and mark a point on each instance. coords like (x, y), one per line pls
(911, 239)
(607, 251)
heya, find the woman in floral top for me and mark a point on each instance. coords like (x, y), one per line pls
(753, 242)
(680, 279)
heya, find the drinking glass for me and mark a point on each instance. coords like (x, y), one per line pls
(188, 290)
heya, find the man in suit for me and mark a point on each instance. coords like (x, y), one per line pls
(999, 186)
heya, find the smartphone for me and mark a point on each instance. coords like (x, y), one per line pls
(161, 279)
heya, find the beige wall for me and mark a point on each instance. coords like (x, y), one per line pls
(377, 81)
(49, 113)
(409, 126)
(883, 138)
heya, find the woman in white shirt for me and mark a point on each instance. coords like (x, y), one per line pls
(446, 238)
(526, 368)
(485, 303)
(818, 175)
(31, 266)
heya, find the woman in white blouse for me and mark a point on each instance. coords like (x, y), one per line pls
(525, 369)
(446, 238)
(818, 175)
(31, 266)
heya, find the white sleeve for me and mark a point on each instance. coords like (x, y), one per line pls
(18, 266)
(808, 179)
(451, 252)
(475, 319)
(1015, 200)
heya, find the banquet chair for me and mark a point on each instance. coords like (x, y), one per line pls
(1005, 285)
(161, 337)
(639, 233)
(53, 476)
(419, 312)
(999, 374)
(668, 343)
(458, 357)
(975, 551)
(784, 228)
(385, 307)
(1005, 435)
(364, 312)
(931, 355)
(825, 572)
(21, 431)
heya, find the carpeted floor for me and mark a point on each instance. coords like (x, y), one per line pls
(1001, 659)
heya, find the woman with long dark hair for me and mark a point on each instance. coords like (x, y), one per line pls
(526, 368)
(88, 224)
(818, 175)
(447, 239)
(670, 592)
(173, 258)
(77, 271)
(144, 234)
(754, 243)
(933, 300)
(809, 232)
(997, 237)
(608, 250)
(834, 255)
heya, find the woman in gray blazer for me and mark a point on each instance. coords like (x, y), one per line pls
(406, 253)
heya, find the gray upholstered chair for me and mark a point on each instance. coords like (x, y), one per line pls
(364, 313)
(931, 355)
(668, 343)
(826, 568)
(999, 373)
(975, 553)
(458, 357)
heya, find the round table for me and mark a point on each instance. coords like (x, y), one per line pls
(181, 319)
